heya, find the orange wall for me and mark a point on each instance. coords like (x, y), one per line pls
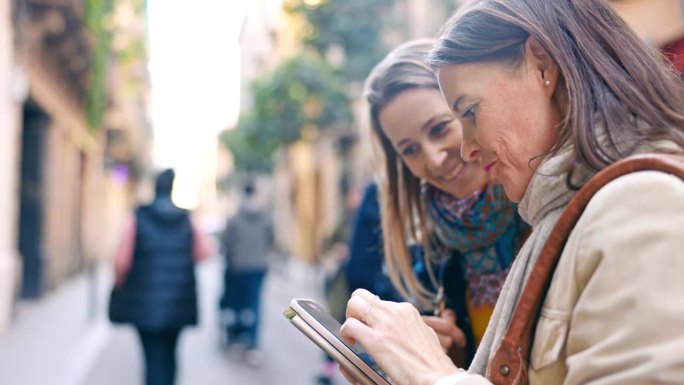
(657, 21)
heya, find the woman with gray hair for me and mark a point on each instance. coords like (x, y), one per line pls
(549, 94)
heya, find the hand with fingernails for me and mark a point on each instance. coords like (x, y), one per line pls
(397, 338)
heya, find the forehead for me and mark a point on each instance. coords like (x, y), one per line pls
(414, 102)
(410, 109)
(457, 80)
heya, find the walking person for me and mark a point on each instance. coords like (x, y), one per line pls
(155, 284)
(555, 96)
(247, 241)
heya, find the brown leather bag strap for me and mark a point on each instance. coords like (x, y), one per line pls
(509, 364)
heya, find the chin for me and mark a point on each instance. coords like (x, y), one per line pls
(446, 190)
(513, 194)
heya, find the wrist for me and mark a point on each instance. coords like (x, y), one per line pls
(434, 377)
(452, 379)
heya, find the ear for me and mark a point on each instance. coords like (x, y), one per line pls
(539, 60)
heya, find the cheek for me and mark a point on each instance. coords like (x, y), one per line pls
(455, 136)
(415, 165)
(514, 178)
(519, 137)
(489, 130)
(536, 122)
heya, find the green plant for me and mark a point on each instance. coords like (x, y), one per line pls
(251, 145)
(354, 26)
(95, 13)
(303, 92)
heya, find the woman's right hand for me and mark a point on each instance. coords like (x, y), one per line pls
(397, 338)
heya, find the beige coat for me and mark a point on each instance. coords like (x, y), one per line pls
(614, 313)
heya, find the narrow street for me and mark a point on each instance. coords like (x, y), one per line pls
(52, 341)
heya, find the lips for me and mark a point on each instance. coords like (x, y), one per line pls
(454, 174)
(489, 166)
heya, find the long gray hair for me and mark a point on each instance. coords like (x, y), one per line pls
(610, 79)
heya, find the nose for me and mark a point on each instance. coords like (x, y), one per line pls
(434, 159)
(470, 149)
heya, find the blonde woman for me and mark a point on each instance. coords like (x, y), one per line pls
(467, 232)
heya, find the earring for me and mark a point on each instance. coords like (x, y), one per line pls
(547, 83)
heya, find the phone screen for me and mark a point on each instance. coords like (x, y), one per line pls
(333, 327)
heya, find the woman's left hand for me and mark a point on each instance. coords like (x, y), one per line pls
(451, 337)
(397, 338)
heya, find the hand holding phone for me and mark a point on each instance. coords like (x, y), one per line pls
(324, 330)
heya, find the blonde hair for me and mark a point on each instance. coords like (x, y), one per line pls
(404, 218)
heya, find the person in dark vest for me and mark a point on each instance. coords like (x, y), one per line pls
(155, 278)
(247, 240)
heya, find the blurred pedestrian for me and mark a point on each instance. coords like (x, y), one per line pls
(155, 284)
(247, 241)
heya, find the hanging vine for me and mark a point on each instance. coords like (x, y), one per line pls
(95, 14)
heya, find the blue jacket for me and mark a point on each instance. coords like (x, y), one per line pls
(366, 254)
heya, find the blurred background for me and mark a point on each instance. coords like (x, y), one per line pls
(97, 96)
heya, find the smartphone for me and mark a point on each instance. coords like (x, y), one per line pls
(324, 330)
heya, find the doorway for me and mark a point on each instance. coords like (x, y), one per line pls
(32, 198)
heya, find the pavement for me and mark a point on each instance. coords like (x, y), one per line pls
(57, 338)
(62, 339)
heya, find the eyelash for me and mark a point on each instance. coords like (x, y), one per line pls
(439, 128)
(470, 113)
(409, 150)
(435, 131)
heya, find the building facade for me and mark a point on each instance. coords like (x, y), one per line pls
(9, 140)
(58, 171)
(659, 23)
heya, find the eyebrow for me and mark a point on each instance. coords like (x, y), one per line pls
(401, 143)
(428, 123)
(455, 106)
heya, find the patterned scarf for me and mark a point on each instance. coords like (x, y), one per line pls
(542, 204)
(483, 229)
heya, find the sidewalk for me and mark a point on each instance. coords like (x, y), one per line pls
(290, 357)
(53, 340)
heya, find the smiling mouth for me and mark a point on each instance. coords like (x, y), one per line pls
(454, 175)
